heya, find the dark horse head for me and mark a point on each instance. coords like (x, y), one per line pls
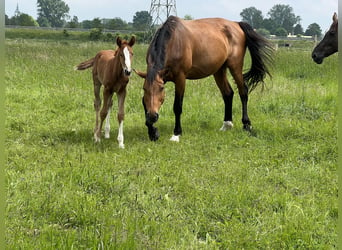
(156, 76)
(329, 44)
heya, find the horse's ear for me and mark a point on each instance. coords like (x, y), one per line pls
(118, 41)
(141, 74)
(335, 19)
(131, 41)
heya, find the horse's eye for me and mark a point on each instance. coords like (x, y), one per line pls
(161, 88)
(332, 32)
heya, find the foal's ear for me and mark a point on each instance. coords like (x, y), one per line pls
(141, 74)
(119, 41)
(335, 18)
(131, 41)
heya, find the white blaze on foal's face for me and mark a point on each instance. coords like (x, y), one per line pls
(127, 59)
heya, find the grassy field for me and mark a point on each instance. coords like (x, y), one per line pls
(275, 188)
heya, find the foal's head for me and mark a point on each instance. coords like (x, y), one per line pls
(329, 44)
(125, 53)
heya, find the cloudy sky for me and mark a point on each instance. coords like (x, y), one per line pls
(310, 11)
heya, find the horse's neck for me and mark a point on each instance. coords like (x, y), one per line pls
(117, 67)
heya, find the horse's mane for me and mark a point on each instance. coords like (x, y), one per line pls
(156, 51)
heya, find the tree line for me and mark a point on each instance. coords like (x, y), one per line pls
(280, 20)
(55, 13)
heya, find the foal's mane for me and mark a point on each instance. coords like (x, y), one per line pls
(156, 52)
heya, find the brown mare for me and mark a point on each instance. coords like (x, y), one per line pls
(195, 49)
(329, 44)
(110, 69)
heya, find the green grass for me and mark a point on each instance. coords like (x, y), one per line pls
(275, 188)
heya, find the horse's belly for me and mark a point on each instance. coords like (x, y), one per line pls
(197, 72)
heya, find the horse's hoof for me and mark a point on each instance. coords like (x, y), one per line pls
(154, 134)
(97, 139)
(227, 125)
(247, 127)
(175, 138)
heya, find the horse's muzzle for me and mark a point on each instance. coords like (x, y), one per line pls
(127, 72)
(152, 118)
(318, 59)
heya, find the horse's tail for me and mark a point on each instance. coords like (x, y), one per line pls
(86, 64)
(261, 54)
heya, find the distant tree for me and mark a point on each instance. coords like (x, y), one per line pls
(269, 25)
(53, 12)
(7, 20)
(313, 29)
(43, 22)
(97, 24)
(188, 17)
(280, 32)
(298, 30)
(87, 24)
(115, 24)
(73, 23)
(282, 15)
(142, 20)
(26, 20)
(252, 16)
(263, 32)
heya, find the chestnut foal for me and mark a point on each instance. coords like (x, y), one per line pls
(112, 70)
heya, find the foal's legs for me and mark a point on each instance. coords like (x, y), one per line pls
(97, 106)
(107, 125)
(227, 95)
(121, 115)
(107, 101)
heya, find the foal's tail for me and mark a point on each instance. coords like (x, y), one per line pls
(86, 64)
(261, 52)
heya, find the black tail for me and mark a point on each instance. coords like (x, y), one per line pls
(261, 52)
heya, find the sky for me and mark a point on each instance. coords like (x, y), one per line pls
(310, 11)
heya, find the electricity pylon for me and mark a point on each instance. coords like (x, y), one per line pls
(161, 9)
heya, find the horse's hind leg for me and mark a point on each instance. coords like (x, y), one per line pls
(243, 92)
(227, 95)
(107, 100)
(97, 106)
(121, 115)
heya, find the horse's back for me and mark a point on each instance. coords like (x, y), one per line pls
(105, 55)
(212, 41)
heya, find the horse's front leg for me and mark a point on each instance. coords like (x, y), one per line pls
(121, 115)
(152, 131)
(178, 108)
